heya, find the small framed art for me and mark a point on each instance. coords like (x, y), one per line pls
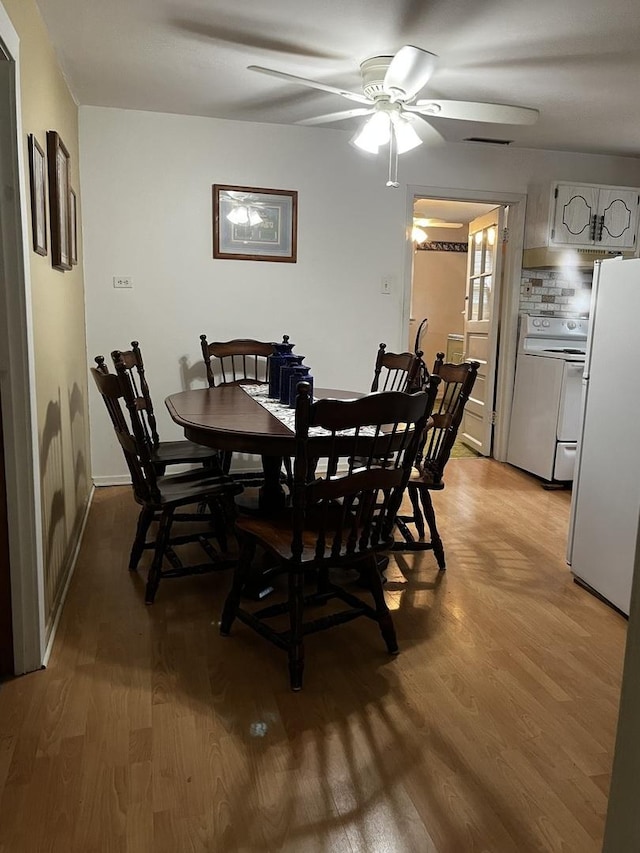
(252, 224)
(37, 176)
(58, 170)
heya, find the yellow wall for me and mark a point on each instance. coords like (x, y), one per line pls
(58, 316)
(438, 291)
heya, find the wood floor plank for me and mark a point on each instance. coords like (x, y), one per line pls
(491, 732)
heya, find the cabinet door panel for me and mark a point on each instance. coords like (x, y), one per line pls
(573, 222)
(618, 216)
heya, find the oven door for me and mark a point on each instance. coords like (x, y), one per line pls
(570, 410)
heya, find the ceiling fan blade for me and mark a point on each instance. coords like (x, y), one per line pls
(475, 111)
(235, 32)
(312, 84)
(408, 72)
(343, 114)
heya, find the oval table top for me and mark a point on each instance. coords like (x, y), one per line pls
(228, 418)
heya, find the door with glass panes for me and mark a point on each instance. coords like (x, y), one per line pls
(484, 273)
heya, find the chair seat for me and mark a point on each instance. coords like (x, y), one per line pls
(424, 477)
(181, 452)
(274, 533)
(193, 486)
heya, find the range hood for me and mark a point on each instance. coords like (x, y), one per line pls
(544, 258)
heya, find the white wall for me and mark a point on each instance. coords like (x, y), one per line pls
(146, 187)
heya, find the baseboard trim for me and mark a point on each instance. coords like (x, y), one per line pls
(111, 480)
(72, 568)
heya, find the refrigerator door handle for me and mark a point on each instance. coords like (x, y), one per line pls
(592, 318)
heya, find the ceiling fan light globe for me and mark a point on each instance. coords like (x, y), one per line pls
(254, 217)
(375, 132)
(406, 136)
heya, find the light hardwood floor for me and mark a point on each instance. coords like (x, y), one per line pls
(492, 731)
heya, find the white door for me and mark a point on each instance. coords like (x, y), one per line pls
(484, 273)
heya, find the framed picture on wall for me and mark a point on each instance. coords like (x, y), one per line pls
(37, 177)
(252, 224)
(73, 227)
(58, 171)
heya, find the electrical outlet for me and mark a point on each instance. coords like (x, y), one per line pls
(528, 289)
(122, 281)
(386, 285)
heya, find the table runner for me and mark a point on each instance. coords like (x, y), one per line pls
(286, 415)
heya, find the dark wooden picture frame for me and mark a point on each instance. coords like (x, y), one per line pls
(58, 170)
(254, 224)
(38, 186)
(73, 227)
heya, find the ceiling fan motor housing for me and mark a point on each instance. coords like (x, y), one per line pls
(373, 72)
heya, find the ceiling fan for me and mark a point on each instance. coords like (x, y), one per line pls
(390, 85)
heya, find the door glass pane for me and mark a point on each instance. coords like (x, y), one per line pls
(491, 239)
(485, 311)
(476, 266)
(475, 299)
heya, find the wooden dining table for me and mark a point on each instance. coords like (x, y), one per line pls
(230, 418)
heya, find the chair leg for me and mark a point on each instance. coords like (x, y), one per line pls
(296, 643)
(218, 519)
(436, 541)
(225, 461)
(417, 515)
(384, 616)
(144, 522)
(162, 543)
(232, 602)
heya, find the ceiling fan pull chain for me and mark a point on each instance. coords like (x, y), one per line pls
(393, 159)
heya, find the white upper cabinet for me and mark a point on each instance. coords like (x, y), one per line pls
(584, 216)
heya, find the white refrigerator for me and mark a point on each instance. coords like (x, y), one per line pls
(605, 505)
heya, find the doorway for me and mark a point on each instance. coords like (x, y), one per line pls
(437, 287)
(22, 561)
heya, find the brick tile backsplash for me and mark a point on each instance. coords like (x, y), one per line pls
(555, 293)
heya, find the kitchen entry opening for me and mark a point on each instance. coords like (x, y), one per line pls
(458, 250)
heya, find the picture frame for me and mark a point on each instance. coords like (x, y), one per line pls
(255, 224)
(73, 227)
(38, 187)
(58, 160)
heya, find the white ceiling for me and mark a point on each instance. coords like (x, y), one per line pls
(577, 61)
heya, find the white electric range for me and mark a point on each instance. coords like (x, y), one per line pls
(546, 409)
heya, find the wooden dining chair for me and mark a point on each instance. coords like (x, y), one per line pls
(395, 371)
(242, 361)
(341, 518)
(237, 362)
(160, 497)
(421, 376)
(457, 381)
(162, 453)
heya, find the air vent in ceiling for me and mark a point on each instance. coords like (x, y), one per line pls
(489, 141)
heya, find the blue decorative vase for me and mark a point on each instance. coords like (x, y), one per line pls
(276, 362)
(299, 374)
(289, 362)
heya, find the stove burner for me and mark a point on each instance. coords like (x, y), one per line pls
(567, 351)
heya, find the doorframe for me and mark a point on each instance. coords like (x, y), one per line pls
(17, 375)
(509, 297)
